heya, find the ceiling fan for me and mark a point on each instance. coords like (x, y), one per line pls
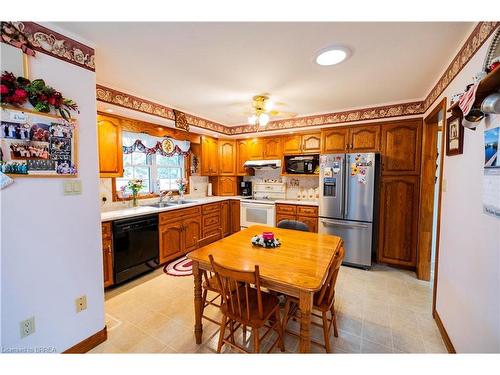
(262, 110)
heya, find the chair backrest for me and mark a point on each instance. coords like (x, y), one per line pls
(293, 224)
(327, 291)
(235, 288)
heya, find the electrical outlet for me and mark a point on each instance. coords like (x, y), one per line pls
(81, 303)
(27, 327)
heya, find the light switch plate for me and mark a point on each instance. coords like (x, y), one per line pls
(72, 187)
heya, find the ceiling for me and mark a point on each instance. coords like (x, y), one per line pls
(212, 70)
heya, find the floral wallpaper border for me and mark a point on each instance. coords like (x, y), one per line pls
(57, 45)
(477, 38)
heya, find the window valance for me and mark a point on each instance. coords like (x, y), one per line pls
(148, 144)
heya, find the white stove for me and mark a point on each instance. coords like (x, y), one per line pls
(260, 209)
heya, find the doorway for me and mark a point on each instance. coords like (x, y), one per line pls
(430, 192)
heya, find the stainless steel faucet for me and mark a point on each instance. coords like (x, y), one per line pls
(164, 194)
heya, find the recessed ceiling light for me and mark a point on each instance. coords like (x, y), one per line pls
(109, 110)
(332, 56)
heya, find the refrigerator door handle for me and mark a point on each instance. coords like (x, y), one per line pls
(346, 185)
(345, 225)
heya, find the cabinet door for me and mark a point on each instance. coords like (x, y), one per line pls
(214, 157)
(364, 139)
(227, 186)
(401, 146)
(292, 144)
(398, 220)
(311, 142)
(311, 222)
(171, 241)
(255, 149)
(205, 156)
(192, 233)
(272, 148)
(225, 218)
(242, 156)
(107, 262)
(334, 140)
(280, 217)
(227, 158)
(235, 216)
(110, 147)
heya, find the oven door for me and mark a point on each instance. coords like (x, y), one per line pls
(257, 214)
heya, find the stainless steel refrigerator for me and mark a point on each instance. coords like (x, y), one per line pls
(349, 203)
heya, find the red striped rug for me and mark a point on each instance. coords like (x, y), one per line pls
(179, 267)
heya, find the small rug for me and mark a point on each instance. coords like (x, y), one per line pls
(179, 267)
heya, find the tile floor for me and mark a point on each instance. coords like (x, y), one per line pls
(384, 310)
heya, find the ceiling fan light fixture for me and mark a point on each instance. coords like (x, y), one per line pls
(268, 105)
(332, 55)
(263, 119)
(252, 120)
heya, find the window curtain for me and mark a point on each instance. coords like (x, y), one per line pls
(148, 144)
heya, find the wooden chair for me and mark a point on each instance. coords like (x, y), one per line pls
(210, 283)
(293, 224)
(245, 304)
(323, 301)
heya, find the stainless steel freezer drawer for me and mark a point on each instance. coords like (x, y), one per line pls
(357, 238)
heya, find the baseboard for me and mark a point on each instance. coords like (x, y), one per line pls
(444, 334)
(89, 343)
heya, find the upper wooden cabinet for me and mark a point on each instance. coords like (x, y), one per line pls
(272, 148)
(255, 149)
(351, 139)
(241, 156)
(225, 185)
(302, 143)
(227, 158)
(401, 147)
(209, 156)
(110, 147)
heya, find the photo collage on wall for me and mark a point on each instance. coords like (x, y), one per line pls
(36, 144)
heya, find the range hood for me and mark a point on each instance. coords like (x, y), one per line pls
(258, 164)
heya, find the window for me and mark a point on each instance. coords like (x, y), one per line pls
(158, 172)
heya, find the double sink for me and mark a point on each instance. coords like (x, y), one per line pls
(170, 204)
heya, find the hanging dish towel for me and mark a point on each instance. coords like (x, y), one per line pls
(467, 99)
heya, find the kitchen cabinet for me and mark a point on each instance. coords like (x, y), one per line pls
(242, 156)
(235, 216)
(351, 139)
(211, 223)
(225, 218)
(109, 136)
(170, 236)
(107, 254)
(192, 231)
(225, 185)
(227, 158)
(272, 148)
(302, 143)
(306, 214)
(398, 220)
(401, 147)
(311, 143)
(209, 156)
(255, 149)
(292, 144)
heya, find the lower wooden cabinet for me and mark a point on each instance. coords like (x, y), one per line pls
(306, 214)
(235, 216)
(225, 218)
(192, 230)
(311, 222)
(107, 254)
(398, 220)
(170, 235)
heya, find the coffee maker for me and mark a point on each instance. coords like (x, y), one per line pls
(246, 188)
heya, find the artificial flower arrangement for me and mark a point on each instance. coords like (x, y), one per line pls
(17, 91)
(181, 185)
(266, 239)
(135, 186)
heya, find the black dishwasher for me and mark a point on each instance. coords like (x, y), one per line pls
(135, 246)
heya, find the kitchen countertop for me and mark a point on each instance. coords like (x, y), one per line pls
(123, 213)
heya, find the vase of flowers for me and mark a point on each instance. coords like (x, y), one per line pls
(135, 186)
(181, 185)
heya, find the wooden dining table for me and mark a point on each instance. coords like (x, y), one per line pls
(297, 268)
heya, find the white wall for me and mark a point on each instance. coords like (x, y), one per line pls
(468, 294)
(50, 243)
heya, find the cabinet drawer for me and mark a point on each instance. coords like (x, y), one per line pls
(210, 208)
(176, 214)
(106, 230)
(211, 232)
(286, 209)
(281, 217)
(211, 220)
(307, 211)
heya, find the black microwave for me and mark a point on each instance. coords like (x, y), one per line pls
(302, 164)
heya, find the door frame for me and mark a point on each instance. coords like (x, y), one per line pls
(426, 209)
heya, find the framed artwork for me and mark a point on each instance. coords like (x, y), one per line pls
(454, 136)
(34, 144)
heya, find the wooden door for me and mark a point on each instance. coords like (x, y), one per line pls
(171, 240)
(235, 216)
(311, 143)
(225, 218)
(192, 233)
(292, 144)
(227, 158)
(401, 146)
(107, 261)
(272, 148)
(242, 157)
(311, 222)
(334, 140)
(398, 220)
(110, 147)
(255, 149)
(364, 139)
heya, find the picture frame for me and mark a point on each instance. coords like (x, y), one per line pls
(454, 136)
(35, 144)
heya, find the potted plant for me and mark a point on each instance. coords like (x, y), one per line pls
(135, 186)
(181, 185)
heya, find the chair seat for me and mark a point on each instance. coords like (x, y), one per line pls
(269, 305)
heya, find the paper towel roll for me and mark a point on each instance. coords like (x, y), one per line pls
(209, 189)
